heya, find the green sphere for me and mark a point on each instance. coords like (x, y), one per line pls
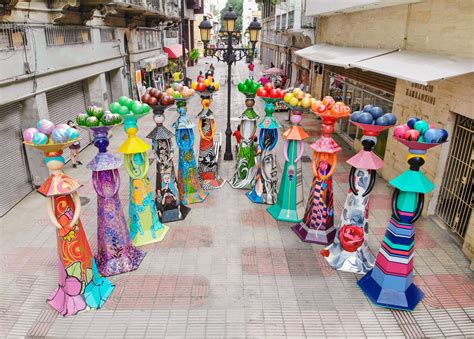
(249, 83)
(123, 110)
(137, 108)
(123, 100)
(145, 108)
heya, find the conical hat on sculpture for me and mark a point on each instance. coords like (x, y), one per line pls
(160, 133)
(295, 133)
(104, 162)
(366, 160)
(325, 145)
(412, 181)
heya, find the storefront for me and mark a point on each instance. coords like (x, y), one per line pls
(357, 89)
(153, 71)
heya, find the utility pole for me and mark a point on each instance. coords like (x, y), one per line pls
(182, 32)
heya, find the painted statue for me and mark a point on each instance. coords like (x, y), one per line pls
(245, 170)
(289, 205)
(317, 225)
(266, 180)
(144, 223)
(390, 282)
(80, 286)
(208, 152)
(190, 189)
(115, 252)
(350, 250)
(168, 201)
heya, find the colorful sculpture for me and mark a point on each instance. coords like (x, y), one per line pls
(390, 282)
(317, 225)
(265, 188)
(289, 205)
(169, 205)
(245, 169)
(80, 285)
(190, 189)
(350, 250)
(208, 152)
(145, 226)
(115, 252)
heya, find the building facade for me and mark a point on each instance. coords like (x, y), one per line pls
(56, 59)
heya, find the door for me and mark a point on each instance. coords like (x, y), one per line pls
(64, 104)
(455, 200)
(15, 179)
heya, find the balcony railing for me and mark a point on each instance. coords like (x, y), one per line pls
(107, 34)
(12, 36)
(59, 35)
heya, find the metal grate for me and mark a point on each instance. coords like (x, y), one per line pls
(12, 36)
(58, 35)
(455, 200)
(107, 34)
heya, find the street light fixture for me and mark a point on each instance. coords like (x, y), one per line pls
(229, 55)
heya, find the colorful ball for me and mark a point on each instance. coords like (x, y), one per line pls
(411, 135)
(60, 135)
(108, 119)
(421, 126)
(381, 121)
(365, 118)
(355, 116)
(73, 133)
(29, 133)
(45, 126)
(411, 123)
(376, 112)
(82, 119)
(122, 101)
(400, 130)
(391, 118)
(92, 122)
(444, 135)
(40, 139)
(66, 126)
(368, 108)
(123, 110)
(115, 106)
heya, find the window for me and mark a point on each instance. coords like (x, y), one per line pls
(291, 19)
(283, 21)
(147, 39)
(278, 21)
(57, 35)
(12, 36)
(107, 34)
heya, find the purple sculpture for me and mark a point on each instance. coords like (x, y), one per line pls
(115, 252)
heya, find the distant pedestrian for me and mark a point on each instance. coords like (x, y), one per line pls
(272, 65)
(264, 80)
(200, 77)
(251, 68)
(74, 148)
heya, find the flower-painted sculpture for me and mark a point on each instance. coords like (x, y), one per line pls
(208, 152)
(245, 167)
(145, 226)
(350, 250)
(168, 202)
(190, 189)
(80, 285)
(265, 188)
(289, 205)
(390, 282)
(317, 225)
(115, 252)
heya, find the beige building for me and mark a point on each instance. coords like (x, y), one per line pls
(431, 78)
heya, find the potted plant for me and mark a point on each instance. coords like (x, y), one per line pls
(194, 55)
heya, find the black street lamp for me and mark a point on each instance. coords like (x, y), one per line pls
(229, 55)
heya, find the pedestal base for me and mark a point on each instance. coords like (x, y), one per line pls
(388, 297)
(194, 198)
(174, 214)
(149, 239)
(281, 214)
(322, 237)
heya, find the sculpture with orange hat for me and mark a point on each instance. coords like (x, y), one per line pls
(289, 205)
(350, 250)
(144, 223)
(317, 225)
(80, 285)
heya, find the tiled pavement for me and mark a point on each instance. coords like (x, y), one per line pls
(229, 269)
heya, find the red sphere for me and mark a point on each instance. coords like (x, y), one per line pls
(274, 93)
(261, 92)
(201, 87)
(145, 98)
(154, 92)
(411, 135)
(268, 87)
(152, 101)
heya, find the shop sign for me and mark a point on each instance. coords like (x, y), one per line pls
(138, 77)
(421, 92)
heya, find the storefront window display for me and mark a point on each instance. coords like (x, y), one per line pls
(356, 95)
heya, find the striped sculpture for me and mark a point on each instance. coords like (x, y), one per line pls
(390, 282)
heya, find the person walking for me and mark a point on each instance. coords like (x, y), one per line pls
(74, 148)
(251, 68)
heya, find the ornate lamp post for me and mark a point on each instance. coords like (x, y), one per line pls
(229, 55)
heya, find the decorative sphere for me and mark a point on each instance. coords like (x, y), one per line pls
(123, 110)
(29, 133)
(365, 118)
(400, 130)
(81, 119)
(444, 135)
(421, 126)
(368, 108)
(118, 118)
(145, 108)
(108, 119)
(381, 121)
(122, 101)
(376, 112)
(114, 107)
(73, 133)
(433, 136)
(92, 122)
(45, 126)
(60, 135)
(391, 118)
(66, 126)
(412, 121)
(411, 135)
(40, 139)
(355, 116)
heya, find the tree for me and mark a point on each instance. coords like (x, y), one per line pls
(237, 6)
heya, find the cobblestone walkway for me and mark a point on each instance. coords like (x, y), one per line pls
(229, 269)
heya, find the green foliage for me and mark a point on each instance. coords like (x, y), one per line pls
(194, 54)
(237, 6)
